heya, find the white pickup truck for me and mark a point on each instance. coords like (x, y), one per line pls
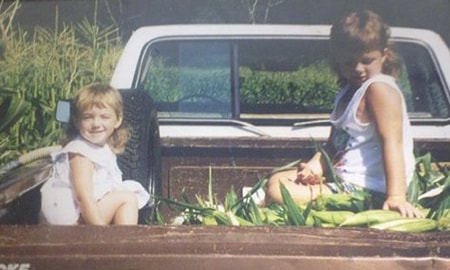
(238, 100)
(268, 80)
(244, 98)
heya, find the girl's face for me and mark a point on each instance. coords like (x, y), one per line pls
(97, 124)
(356, 69)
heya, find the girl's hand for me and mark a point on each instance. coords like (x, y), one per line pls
(400, 204)
(306, 175)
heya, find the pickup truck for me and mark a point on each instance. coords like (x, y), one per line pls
(234, 101)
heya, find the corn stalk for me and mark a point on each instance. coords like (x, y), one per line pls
(43, 66)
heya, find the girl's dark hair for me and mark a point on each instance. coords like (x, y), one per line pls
(360, 32)
(99, 95)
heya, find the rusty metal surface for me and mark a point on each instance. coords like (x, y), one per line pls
(157, 247)
(193, 180)
(438, 147)
(23, 179)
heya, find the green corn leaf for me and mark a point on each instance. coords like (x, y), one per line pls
(307, 212)
(183, 206)
(441, 203)
(222, 218)
(231, 199)
(159, 217)
(273, 215)
(11, 110)
(414, 189)
(210, 193)
(209, 221)
(288, 166)
(184, 195)
(202, 202)
(423, 164)
(294, 215)
(255, 214)
(330, 167)
(243, 222)
(240, 203)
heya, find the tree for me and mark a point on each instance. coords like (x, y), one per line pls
(257, 7)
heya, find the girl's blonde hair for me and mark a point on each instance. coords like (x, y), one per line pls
(361, 32)
(99, 95)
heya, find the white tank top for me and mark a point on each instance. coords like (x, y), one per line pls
(359, 146)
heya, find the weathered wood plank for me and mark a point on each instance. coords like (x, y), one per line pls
(183, 247)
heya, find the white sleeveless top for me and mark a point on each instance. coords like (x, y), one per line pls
(59, 204)
(359, 145)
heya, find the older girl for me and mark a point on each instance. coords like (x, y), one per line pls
(370, 142)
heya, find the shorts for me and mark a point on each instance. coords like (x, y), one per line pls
(348, 187)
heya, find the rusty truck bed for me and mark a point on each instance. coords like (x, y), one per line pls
(183, 247)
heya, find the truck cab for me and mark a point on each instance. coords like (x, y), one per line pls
(243, 99)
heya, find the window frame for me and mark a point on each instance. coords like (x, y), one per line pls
(234, 65)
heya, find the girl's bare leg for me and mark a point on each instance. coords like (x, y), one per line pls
(127, 214)
(120, 207)
(299, 192)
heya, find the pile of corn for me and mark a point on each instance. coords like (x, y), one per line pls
(376, 219)
(245, 212)
(429, 192)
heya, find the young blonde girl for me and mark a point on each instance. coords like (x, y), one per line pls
(86, 186)
(370, 142)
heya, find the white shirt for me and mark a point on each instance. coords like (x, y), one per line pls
(59, 203)
(359, 143)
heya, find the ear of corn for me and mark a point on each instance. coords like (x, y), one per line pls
(444, 223)
(391, 223)
(356, 201)
(271, 217)
(209, 221)
(309, 221)
(331, 217)
(326, 225)
(414, 225)
(369, 217)
(240, 221)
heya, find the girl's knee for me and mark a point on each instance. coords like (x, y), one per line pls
(272, 183)
(131, 198)
(281, 177)
(125, 198)
(273, 187)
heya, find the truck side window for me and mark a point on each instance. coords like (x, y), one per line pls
(421, 83)
(189, 79)
(285, 79)
(269, 80)
(247, 79)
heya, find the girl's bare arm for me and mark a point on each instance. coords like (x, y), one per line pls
(82, 170)
(384, 105)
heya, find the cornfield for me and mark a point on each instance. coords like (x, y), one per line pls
(40, 67)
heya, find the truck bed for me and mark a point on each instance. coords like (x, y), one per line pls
(182, 247)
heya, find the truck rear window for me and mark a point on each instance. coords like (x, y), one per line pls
(268, 80)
